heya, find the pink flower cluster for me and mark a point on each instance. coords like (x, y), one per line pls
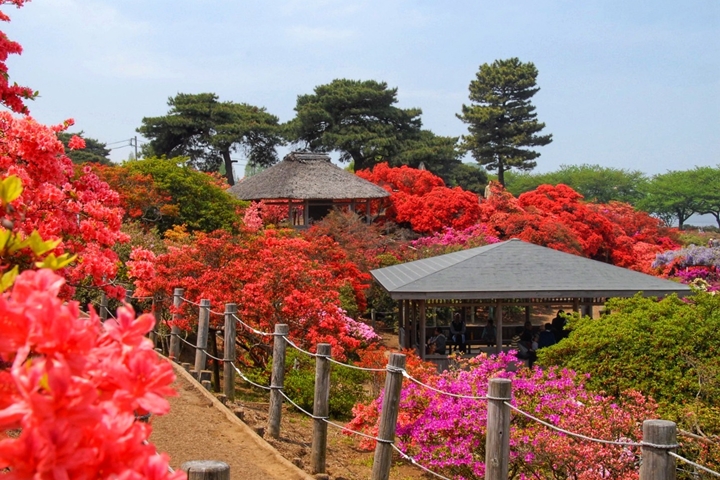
(447, 434)
(74, 386)
(473, 236)
(361, 330)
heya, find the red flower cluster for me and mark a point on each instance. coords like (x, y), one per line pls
(421, 199)
(74, 387)
(274, 277)
(558, 218)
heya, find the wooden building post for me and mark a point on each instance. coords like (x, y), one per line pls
(202, 336)
(388, 417)
(659, 437)
(421, 324)
(277, 380)
(175, 330)
(229, 351)
(499, 327)
(497, 440)
(321, 409)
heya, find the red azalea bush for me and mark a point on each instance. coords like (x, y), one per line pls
(79, 210)
(421, 199)
(274, 277)
(74, 387)
(558, 218)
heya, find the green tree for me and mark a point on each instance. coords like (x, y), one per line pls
(207, 131)
(194, 197)
(594, 182)
(95, 151)
(707, 181)
(672, 196)
(436, 153)
(356, 118)
(469, 177)
(502, 122)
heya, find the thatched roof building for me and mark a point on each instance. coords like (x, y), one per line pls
(310, 184)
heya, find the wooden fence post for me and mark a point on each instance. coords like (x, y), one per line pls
(215, 363)
(206, 470)
(156, 313)
(388, 417)
(229, 356)
(497, 441)
(175, 330)
(321, 409)
(277, 380)
(103, 307)
(202, 336)
(659, 437)
(128, 296)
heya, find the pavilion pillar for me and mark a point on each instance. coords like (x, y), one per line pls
(367, 212)
(576, 305)
(587, 308)
(413, 324)
(306, 213)
(527, 313)
(421, 324)
(499, 327)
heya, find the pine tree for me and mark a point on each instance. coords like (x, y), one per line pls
(501, 120)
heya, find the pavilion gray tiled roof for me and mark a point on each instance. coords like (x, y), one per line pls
(517, 270)
(306, 176)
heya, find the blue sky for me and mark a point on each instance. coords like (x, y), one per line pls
(625, 84)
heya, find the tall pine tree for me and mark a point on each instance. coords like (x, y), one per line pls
(502, 122)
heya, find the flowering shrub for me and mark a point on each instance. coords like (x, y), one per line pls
(691, 263)
(274, 277)
(447, 434)
(421, 199)
(558, 218)
(74, 387)
(362, 331)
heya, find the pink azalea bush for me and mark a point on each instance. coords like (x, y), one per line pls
(71, 387)
(447, 434)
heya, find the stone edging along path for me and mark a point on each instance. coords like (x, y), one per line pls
(200, 427)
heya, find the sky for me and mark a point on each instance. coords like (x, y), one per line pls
(631, 84)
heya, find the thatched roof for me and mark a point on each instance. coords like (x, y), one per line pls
(306, 176)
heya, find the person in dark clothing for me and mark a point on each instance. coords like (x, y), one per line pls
(457, 332)
(546, 337)
(527, 333)
(558, 325)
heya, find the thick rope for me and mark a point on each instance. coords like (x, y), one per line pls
(456, 395)
(412, 460)
(704, 469)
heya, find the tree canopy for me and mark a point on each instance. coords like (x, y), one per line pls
(167, 192)
(95, 151)
(358, 119)
(207, 131)
(502, 122)
(594, 182)
(673, 196)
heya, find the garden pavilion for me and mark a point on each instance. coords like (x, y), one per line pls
(510, 273)
(310, 185)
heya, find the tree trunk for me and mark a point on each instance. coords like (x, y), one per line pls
(228, 167)
(501, 173)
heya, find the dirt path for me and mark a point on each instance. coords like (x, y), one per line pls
(199, 427)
